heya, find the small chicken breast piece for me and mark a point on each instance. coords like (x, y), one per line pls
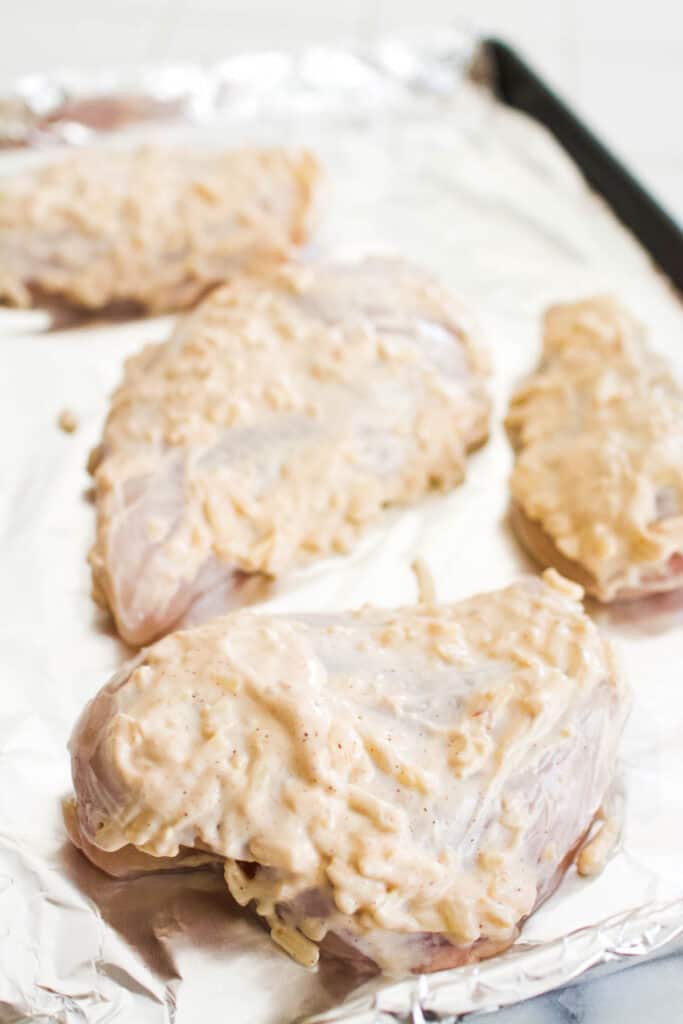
(152, 227)
(403, 787)
(279, 420)
(597, 487)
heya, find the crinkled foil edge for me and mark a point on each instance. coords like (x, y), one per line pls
(72, 108)
(527, 971)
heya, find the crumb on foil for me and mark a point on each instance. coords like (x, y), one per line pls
(67, 421)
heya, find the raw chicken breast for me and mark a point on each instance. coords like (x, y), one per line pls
(281, 417)
(403, 787)
(597, 487)
(153, 227)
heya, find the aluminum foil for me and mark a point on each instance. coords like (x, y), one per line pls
(423, 161)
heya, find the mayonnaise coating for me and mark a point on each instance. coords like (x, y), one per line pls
(154, 226)
(277, 422)
(598, 479)
(424, 771)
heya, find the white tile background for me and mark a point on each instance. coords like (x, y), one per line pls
(619, 62)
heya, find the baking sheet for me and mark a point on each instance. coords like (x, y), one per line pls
(423, 162)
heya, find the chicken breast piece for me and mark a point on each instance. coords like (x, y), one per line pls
(282, 416)
(597, 487)
(402, 787)
(155, 227)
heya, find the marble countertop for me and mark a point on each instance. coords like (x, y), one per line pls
(643, 993)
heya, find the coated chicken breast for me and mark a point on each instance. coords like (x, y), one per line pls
(597, 487)
(278, 421)
(153, 227)
(402, 788)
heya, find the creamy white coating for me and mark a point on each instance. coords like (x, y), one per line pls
(409, 767)
(599, 428)
(279, 420)
(155, 226)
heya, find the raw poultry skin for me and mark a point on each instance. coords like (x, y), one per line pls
(402, 788)
(153, 228)
(282, 416)
(597, 487)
